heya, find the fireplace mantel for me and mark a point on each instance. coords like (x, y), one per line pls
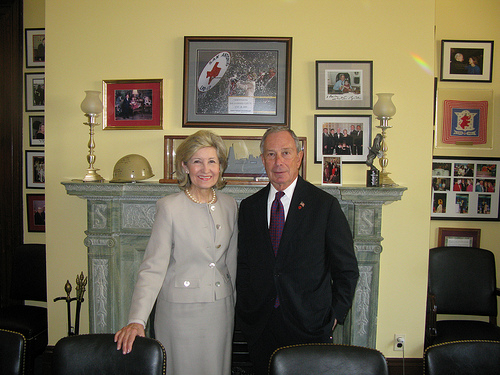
(119, 221)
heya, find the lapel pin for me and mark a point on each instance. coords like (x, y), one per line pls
(301, 205)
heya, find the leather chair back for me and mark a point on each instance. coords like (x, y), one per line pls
(469, 357)
(12, 347)
(327, 359)
(97, 354)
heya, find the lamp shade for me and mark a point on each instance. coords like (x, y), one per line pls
(91, 104)
(384, 106)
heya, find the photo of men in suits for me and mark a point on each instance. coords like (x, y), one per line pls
(293, 288)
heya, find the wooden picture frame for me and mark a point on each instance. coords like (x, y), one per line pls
(35, 204)
(465, 189)
(34, 41)
(344, 84)
(236, 82)
(132, 104)
(245, 166)
(463, 237)
(466, 60)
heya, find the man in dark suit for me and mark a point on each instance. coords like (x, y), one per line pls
(299, 294)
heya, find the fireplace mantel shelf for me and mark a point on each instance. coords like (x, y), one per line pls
(119, 221)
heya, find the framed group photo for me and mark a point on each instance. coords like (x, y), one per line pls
(348, 136)
(132, 104)
(244, 167)
(465, 188)
(35, 48)
(332, 170)
(344, 84)
(35, 204)
(236, 82)
(34, 91)
(466, 60)
(35, 169)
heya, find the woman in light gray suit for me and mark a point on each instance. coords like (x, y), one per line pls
(189, 266)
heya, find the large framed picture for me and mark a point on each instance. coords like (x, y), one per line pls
(462, 237)
(35, 169)
(35, 204)
(344, 84)
(35, 48)
(34, 91)
(245, 166)
(465, 188)
(37, 131)
(346, 135)
(466, 60)
(464, 121)
(236, 82)
(132, 104)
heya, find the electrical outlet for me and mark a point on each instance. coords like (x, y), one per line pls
(399, 342)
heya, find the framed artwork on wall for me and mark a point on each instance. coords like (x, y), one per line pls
(346, 135)
(37, 131)
(332, 170)
(132, 104)
(237, 82)
(35, 169)
(344, 84)
(465, 189)
(463, 121)
(35, 48)
(466, 60)
(34, 91)
(463, 237)
(245, 166)
(35, 204)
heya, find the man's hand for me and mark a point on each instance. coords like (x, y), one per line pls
(125, 337)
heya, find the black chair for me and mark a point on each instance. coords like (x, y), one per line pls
(97, 354)
(327, 359)
(469, 357)
(462, 281)
(28, 283)
(12, 347)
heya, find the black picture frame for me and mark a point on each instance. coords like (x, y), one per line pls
(34, 92)
(355, 91)
(356, 148)
(37, 130)
(34, 41)
(467, 60)
(35, 169)
(35, 205)
(465, 188)
(237, 82)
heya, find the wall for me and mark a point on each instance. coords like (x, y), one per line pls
(94, 40)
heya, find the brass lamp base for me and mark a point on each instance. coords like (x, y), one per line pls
(93, 176)
(385, 180)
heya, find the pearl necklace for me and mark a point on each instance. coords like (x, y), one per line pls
(212, 201)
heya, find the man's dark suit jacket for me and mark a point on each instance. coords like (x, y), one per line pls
(314, 273)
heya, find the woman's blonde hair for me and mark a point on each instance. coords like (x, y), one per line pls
(191, 145)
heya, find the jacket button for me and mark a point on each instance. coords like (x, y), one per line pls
(217, 283)
(217, 247)
(218, 226)
(187, 283)
(211, 265)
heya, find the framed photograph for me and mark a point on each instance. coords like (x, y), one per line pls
(346, 135)
(245, 166)
(35, 169)
(332, 170)
(37, 131)
(464, 120)
(132, 104)
(466, 60)
(35, 48)
(344, 84)
(35, 91)
(465, 188)
(463, 237)
(35, 204)
(236, 82)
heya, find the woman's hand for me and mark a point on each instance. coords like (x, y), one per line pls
(125, 337)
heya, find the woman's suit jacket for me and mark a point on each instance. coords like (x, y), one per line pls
(314, 272)
(191, 255)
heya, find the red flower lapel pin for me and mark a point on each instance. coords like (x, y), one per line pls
(301, 205)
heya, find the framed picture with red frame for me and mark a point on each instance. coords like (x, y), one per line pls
(132, 104)
(35, 204)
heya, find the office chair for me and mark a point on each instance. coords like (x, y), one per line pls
(12, 347)
(97, 354)
(469, 357)
(462, 281)
(28, 283)
(327, 359)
